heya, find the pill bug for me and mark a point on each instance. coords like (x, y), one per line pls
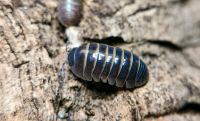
(69, 12)
(112, 65)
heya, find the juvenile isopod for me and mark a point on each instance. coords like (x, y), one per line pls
(69, 12)
(112, 65)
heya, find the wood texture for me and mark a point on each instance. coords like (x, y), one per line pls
(165, 33)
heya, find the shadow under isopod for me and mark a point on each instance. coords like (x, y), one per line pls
(102, 90)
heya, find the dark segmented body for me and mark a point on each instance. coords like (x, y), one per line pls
(113, 65)
(69, 12)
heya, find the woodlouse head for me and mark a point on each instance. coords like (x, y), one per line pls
(70, 59)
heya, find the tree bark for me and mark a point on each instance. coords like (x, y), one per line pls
(164, 33)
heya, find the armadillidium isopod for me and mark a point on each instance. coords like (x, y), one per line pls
(69, 12)
(112, 65)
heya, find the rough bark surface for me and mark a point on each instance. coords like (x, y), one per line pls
(165, 33)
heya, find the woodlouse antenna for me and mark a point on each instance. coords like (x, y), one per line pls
(61, 73)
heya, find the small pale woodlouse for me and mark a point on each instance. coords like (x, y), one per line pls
(69, 12)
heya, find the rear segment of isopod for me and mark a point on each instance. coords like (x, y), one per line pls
(112, 65)
(69, 12)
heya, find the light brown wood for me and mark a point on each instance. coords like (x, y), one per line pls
(165, 33)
